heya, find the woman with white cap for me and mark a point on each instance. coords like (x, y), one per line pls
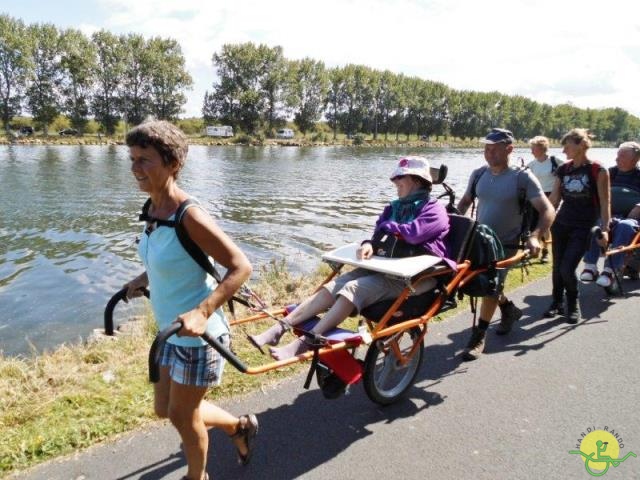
(415, 217)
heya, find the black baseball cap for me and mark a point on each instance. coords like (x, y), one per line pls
(498, 135)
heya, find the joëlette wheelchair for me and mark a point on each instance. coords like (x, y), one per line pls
(396, 328)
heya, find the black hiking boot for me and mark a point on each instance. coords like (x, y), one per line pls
(510, 315)
(475, 347)
(573, 313)
(556, 309)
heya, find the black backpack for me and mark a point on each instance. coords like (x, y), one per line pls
(484, 252)
(393, 246)
(524, 206)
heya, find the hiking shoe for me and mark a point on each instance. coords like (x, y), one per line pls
(605, 279)
(555, 310)
(475, 347)
(588, 274)
(545, 256)
(573, 315)
(510, 315)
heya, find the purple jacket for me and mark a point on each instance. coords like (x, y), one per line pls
(428, 229)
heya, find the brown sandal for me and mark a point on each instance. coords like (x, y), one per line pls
(247, 430)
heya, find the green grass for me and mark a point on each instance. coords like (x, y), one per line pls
(77, 396)
(324, 138)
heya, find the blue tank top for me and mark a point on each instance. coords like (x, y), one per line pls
(177, 283)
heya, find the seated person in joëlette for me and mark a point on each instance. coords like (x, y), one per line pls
(624, 180)
(416, 217)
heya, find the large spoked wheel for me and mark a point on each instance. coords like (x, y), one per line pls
(385, 378)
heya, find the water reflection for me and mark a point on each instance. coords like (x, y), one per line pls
(69, 223)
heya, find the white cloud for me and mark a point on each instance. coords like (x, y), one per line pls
(586, 52)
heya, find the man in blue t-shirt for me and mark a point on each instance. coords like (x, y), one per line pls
(625, 210)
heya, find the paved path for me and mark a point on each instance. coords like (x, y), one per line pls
(513, 414)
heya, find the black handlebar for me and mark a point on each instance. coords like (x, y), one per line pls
(108, 311)
(156, 350)
(158, 345)
(597, 232)
(163, 336)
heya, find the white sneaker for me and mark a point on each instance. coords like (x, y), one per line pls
(605, 279)
(588, 274)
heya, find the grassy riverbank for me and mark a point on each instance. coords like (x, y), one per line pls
(56, 403)
(256, 140)
(364, 141)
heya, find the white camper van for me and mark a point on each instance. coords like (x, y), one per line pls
(219, 131)
(284, 133)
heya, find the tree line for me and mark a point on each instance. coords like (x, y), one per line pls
(49, 72)
(258, 89)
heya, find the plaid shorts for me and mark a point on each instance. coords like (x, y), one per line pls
(197, 366)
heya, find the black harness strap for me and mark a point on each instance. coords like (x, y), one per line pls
(145, 217)
(189, 245)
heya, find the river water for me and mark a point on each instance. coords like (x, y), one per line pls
(68, 220)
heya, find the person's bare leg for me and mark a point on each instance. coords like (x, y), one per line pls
(316, 303)
(340, 310)
(488, 307)
(161, 394)
(184, 413)
(334, 317)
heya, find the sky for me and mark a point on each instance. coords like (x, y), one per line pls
(553, 51)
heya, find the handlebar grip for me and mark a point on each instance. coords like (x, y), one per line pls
(111, 304)
(156, 349)
(597, 232)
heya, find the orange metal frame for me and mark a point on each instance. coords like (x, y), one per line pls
(635, 243)
(382, 329)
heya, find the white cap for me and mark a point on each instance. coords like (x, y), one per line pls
(413, 165)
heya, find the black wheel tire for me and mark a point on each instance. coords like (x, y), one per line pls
(385, 382)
